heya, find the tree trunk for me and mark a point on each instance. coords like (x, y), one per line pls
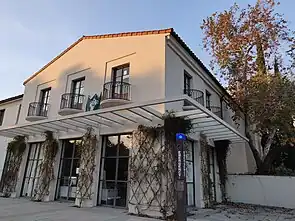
(251, 143)
(266, 167)
(268, 144)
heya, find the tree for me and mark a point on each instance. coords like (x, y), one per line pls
(248, 48)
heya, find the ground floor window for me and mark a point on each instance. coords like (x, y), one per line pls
(114, 170)
(69, 169)
(31, 179)
(190, 177)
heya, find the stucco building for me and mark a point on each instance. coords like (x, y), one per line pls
(113, 83)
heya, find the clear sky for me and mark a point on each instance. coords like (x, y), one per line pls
(35, 31)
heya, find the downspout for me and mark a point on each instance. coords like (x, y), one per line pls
(221, 106)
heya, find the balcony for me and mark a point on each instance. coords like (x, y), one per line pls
(195, 94)
(199, 97)
(37, 111)
(71, 104)
(115, 93)
(215, 110)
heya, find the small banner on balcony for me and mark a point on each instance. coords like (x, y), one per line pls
(93, 103)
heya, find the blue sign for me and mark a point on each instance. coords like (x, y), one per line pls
(180, 136)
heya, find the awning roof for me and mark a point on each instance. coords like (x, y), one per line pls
(204, 121)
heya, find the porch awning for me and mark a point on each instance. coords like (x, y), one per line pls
(146, 113)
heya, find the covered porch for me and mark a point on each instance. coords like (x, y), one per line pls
(128, 117)
(116, 122)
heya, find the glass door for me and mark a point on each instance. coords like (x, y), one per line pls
(190, 174)
(77, 93)
(69, 169)
(114, 173)
(44, 101)
(32, 175)
(120, 78)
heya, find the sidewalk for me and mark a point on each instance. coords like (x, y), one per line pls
(26, 210)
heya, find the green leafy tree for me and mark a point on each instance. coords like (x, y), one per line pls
(247, 47)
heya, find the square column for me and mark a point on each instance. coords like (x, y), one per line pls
(53, 184)
(151, 177)
(91, 199)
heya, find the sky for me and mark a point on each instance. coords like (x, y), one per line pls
(32, 32)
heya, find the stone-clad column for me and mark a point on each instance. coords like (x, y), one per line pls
(92, 201)
(53, 184)
(151, 186)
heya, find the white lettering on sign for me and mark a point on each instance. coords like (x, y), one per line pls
(179, 164)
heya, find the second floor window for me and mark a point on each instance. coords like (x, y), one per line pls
(2, 116)
(44, 100)
(187, 82)
(120, 82)
(78, 86)
(77, 96)
(208, 99)
(45, 96)
(121, 74)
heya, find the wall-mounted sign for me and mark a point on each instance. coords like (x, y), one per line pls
(93, 103)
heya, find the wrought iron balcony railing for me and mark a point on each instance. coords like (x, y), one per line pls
(116, 90)
(72, 101)
(216, 110)
(38, 109)
(195, 94)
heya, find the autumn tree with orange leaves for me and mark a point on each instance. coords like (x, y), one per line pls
(252, 48)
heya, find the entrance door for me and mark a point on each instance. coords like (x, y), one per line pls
(190, 174)
(31, 179)
(114, 172)
(69, 169)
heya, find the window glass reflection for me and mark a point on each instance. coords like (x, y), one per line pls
(115, 171)
(111, 146)
(125, 145)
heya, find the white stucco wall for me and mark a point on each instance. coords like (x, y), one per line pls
(239, 160)
(10, 116)
(262, 190)
(94, 60)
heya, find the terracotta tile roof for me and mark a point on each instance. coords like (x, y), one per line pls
(138, 33)
(11, 99)
(124, 34)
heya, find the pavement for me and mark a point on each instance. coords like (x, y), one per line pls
(243, 212)
(26, 210)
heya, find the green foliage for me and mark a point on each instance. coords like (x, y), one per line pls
(15, 151)
(222, 148)
(205, 172)
(271, 104)
(174, 125)
(153, 166)
(17, 146)
(46, 172)
(247, 46)
(87, 150)
(283, 171)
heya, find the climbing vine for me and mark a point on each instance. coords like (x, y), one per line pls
(153, 168)
(15, 151)
(46, 172)
(207, 183)
(87, 150)
(222, 148)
